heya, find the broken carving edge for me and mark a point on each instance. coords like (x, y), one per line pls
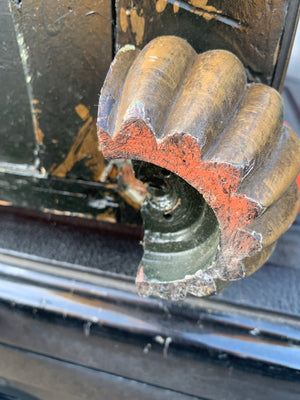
(217, 182)
(196, 116)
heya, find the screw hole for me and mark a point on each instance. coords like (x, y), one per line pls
(168, 216)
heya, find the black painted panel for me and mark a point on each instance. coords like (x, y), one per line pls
(69, 50)
(17, 141)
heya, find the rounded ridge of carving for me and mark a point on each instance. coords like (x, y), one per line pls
(196, 117)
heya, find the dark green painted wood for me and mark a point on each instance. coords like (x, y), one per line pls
(171, 248)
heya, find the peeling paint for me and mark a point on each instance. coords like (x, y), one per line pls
(200, 7)
(276, 52)
(203, 5)
(67, 213)
(39, 135)
(131, 189)
(82, 111)
(107, 216)
(175, 8)
(85, 146)
(123, 20)
(161, 5)
(5, 203)
(137, 25)
(111, 171)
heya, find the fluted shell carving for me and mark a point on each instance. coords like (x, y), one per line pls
(196, 116)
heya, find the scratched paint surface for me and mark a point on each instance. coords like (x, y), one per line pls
(249, 29)
(50, 85)
(84, 149)
(15, 108)
(63, 67)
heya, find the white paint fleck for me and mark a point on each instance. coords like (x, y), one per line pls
(159, 339)
(147, 348)
(24, 55)
(254, 332)
(87, 328)
(127, 47)
(166, 346)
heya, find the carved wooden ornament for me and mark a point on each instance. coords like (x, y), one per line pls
(219, 163)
